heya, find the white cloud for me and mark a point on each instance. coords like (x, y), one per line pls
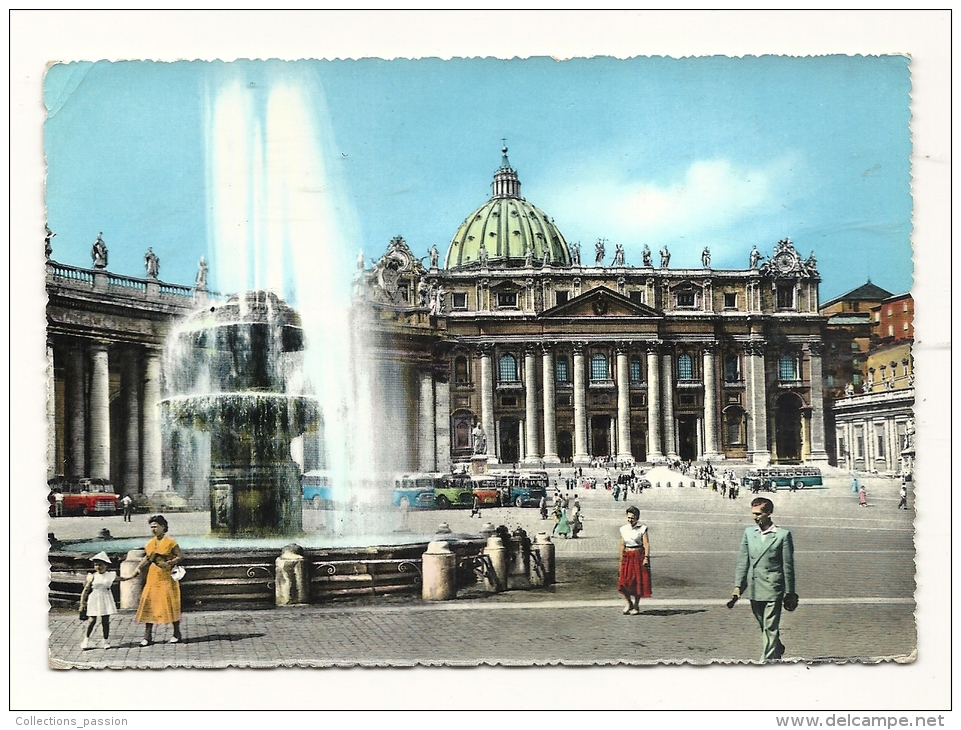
(710, 195)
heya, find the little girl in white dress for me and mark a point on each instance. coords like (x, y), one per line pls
(97, 599)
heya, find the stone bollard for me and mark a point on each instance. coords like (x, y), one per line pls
(443, 529)
(487, 529)
(542, 557)
(440, 572)
(519, 575)
(130, 590)
(290, 577)
(497, 554)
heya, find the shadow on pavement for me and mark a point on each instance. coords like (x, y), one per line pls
(672, 611)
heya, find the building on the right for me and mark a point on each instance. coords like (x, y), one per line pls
(871, 391)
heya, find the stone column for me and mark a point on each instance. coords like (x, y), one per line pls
(487, 399)
(667, 390)
(152, 439)
(99, 411)
(531, 452)
(130, 387)
(550, 406)
(818, 452)
(581, 455)
(75, 401)
(51, 414)
(442, 424)
(653, 403)
(623, 404)
(711, 450)
(425, 422)
(757, 404)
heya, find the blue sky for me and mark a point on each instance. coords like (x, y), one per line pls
(720, 152)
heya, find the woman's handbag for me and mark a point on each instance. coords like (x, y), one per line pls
(83, 613)
(178, 572)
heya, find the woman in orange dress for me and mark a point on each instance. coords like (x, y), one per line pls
(160, 600)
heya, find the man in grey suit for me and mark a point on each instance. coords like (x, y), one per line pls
(765, 574)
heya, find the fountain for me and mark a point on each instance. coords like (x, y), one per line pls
(250, 382)
(230, 372)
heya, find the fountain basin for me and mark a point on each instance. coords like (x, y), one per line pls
(234, 573)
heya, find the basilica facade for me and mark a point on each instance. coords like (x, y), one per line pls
(561, 360)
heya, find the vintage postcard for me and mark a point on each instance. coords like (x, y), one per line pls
(423, 362)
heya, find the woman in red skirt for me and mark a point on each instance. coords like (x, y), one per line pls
(634, 580)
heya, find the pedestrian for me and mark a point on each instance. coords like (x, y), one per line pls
(96, 599)
(475, 507)
(127, 503)
(765, 574)
(862, 497)
(563, 525)
(557, 512)
(575, 521)
(903, 504)
(160, 599)
(543, 507)
(854, 485)
(617, 492)
(634, 576)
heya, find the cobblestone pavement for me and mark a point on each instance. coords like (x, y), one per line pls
(855, 578)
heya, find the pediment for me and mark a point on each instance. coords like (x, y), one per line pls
(600, 302)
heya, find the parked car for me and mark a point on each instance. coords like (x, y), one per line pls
(789, 477)
(414, 490)
(89, 497)
(485, 488)
(453, 490)
(318, 489)
(522, 489)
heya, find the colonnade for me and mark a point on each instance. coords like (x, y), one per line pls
(540, 410)
(82, 431)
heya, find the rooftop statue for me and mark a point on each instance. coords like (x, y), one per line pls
(47, 247)
(434, 257)
(151, 263)
(646, 257)
(482, 256)
(576, 254)
(599, 253)
(755, 257)
(665, 258)
(618, 255)
(99, 253)
(201, 282)
(706, 258)
(529, 255)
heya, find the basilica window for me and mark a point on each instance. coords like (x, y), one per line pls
(459, 300)
(785, 296)
(637, 297)
(599, 366)
(787, 367)
(561, 297)
(460, 370)
(635, 370)
(562, 369)
(879, 438)
(730, 300)
(685, 367)
(732, 368)
(507, 299)
(685, 299)
(507, 369)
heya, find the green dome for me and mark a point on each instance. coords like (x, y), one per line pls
(507, 224)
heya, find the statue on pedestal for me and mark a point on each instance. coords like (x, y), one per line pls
(706, 258)
(665, 258)
(618, 255)
(576, 254)
(482, 255)
(99, 253)
(755, 257)
(646, 257)
(201, 282)
(529, 256)
(599, 253)
(434, 257)
(479, 439)
(849, 390)
(151, 263)
(47, 247)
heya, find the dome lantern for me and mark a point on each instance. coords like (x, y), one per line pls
(507, 227)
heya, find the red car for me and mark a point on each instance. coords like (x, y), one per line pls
(89, 497)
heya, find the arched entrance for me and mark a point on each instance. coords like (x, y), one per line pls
(787, 427)
(687, 438)
(565, 446)
(461, 424)
(600, 435)
(510, 439)
(639, 444)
